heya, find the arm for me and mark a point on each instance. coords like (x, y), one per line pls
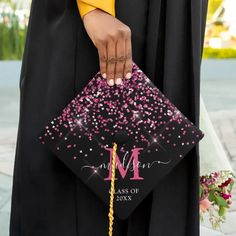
(111, 37)
(85, 6)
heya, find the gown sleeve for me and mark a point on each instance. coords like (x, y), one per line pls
(86, 6)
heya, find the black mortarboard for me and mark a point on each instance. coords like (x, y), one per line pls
(151, 134)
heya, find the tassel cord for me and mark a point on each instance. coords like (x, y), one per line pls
(112, 190)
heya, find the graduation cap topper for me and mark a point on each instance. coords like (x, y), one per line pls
(151, 135)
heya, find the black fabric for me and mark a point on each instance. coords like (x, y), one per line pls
(59, 60)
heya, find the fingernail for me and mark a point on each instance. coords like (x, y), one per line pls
(118, 81)
(104, 75)
(111, 82)
(128, 75)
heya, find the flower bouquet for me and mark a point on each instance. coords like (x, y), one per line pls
(215, 196)
(216, 174)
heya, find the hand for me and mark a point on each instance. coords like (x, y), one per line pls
(112, 38)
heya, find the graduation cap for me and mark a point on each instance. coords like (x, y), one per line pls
(121, 140)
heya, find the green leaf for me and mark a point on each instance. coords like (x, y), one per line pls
(211, 196)
(221, 211)
(221, 201)
(218, 189)
(231, 186)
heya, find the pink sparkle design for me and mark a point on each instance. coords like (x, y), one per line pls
(136, 106)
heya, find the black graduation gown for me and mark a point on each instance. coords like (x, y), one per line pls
(59, 59)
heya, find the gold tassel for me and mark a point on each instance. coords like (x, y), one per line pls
(112, 190)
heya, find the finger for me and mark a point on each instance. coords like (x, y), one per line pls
(128, 62)
(120, 60)
(102, 52)
(111, 47)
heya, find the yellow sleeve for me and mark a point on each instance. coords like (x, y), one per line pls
(86, 6)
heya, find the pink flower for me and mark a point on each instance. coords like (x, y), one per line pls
(225, 196)
(204, 204)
